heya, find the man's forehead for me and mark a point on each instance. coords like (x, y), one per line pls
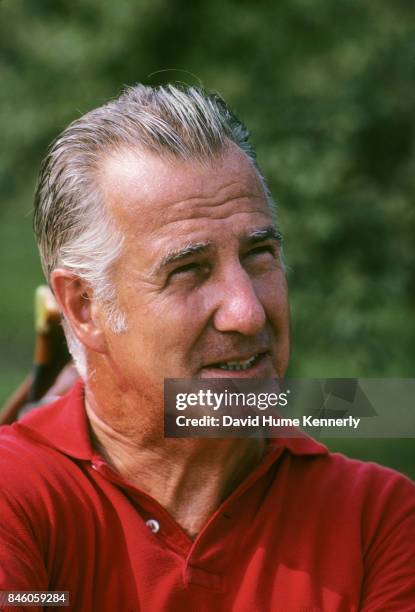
(135, 183)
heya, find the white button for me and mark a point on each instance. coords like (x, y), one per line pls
(94, 467)
(153, 525)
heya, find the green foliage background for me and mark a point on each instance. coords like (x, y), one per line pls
(328, 91)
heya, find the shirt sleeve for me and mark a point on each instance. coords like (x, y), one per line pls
(389, 558)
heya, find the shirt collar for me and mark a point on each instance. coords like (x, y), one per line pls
(63, 425)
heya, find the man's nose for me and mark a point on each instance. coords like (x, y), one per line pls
(240, 309)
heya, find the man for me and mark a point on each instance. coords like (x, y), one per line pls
(157, 234)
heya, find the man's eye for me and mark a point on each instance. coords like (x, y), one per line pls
(195, 270)
(191, 267)
(262, 249)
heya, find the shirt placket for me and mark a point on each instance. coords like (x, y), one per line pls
(207, 558)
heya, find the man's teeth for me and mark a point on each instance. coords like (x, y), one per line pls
(237, 365)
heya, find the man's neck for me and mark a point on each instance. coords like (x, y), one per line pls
(190, 478)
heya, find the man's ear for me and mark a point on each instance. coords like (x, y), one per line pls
(77, 304)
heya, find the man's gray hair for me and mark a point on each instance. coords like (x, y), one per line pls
(72, 226)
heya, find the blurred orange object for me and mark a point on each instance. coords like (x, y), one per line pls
(51, 355)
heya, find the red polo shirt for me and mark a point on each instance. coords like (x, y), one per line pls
(306, 531)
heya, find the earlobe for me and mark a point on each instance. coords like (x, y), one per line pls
(76, 302)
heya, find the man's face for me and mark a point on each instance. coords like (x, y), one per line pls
(200, 280)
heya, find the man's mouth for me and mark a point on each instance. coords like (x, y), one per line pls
(254, 365)
(238, 364)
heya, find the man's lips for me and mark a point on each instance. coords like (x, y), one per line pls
(235, 359)
(237, 364)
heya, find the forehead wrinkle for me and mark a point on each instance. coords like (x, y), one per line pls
(204, 203)
(225, 216)
(229, 200)
(217, 200)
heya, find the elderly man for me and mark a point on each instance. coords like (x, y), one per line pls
(157, 234)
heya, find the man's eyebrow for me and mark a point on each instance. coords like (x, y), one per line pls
(261, 235)
(197, 248)
(176, 255)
